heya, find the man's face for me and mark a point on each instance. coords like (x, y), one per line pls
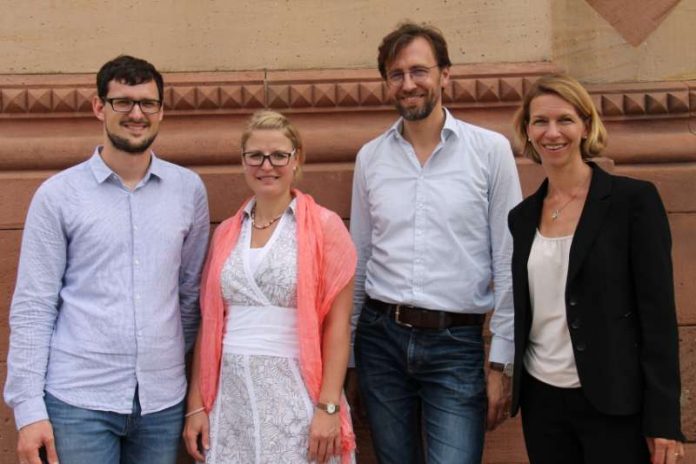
(415, 81)
(133, 131)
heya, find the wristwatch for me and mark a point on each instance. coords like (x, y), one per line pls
(329, 408)
(507, 368)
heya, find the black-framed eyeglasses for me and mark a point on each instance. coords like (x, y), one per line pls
(277, 158)
(125, 105)
(418, 74)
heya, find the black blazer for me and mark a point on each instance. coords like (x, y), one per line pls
(619, 299)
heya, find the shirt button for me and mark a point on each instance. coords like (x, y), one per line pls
(135, 227)
(137, 262)
(137, 297)
(572, 301)
(575, 324)
(581, 346)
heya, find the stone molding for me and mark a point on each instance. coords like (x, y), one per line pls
(46, 120)
(330, 90)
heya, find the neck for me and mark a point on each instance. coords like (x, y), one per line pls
(425, 131)
(269, 208)
(568, 180)
(130, 167)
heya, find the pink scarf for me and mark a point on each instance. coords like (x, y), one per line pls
(326, 261)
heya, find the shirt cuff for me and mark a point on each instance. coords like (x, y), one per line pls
(30, 411)
(502, 350)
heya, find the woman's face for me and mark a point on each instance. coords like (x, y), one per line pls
(267, 180)
(555, 130)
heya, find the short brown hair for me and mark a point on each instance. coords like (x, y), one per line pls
(404, 34)
(272, 120)
(570, 90)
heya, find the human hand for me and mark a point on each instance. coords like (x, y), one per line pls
(499, 392)
(324, 436)
(664, 451)
(197, 425)
(32, 438)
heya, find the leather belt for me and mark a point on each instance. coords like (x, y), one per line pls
(422, 318)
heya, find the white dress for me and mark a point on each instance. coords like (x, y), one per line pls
(262, 411)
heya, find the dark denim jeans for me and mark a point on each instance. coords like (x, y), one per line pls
(441, 372)
(86, 436)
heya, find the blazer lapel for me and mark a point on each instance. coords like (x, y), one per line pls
(591, 218)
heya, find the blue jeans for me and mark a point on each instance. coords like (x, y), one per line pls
(86, 436)
(439, 371)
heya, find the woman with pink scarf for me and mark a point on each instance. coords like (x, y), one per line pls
(276, 298)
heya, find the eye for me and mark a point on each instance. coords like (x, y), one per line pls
(122, 103)
(279, 156)
(419, 73)
(253, 156)
(149, 104)
(538, 122)
(395, 76)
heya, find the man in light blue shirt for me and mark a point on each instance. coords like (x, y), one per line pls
(106, 301)
(429, 220)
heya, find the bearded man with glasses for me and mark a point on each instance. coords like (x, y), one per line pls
(430, 203)
(106, 301)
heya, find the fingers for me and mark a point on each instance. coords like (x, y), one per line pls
(313, 448)
(196, 427)
(664, 451)
(51, 453)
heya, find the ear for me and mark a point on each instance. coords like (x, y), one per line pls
(98, 107)
(444, 77)
(586, 125)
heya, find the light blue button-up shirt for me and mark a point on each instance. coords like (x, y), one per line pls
(436, 236)
(107, 290)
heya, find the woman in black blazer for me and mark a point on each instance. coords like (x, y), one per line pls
(596, 370)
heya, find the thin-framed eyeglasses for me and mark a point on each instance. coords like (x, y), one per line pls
(417, 74)
(125, 105)
(277, 158)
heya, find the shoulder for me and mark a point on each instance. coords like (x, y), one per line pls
(181, 174)
(369, 150)
(481, 136)
(63, 182)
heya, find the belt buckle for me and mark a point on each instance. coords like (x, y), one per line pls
(397, 313)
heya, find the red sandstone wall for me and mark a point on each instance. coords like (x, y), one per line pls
(46, 125)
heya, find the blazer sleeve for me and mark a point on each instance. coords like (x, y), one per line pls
(651, 269)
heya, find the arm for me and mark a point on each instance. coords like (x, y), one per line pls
(650, 251)
(192, 257)
(325, 430)
(361, 234)
(505, 193)
(197, 424)
(33, 314)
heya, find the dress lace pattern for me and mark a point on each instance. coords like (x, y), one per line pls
(262, 412)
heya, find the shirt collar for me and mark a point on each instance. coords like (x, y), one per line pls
(250, 205)
(448, 129)
(102, 172)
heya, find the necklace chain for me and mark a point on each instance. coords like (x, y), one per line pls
(557, 212)
(263, 226)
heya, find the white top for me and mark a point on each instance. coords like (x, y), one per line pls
(549, 356)
(436, 235)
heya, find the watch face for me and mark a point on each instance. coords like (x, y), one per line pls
(331, 408)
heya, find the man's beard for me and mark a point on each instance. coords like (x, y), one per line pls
(125, 145)
(417, 113)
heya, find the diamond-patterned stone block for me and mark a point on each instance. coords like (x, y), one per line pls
(511, 89)
(324, 95)
(487, 90)
(63, 100)
(279, 96)
(464, 90)
(634, 103)
(371, 93)
(231, 96)
(347, 94)
(83, 99)
(656, 103)
(39, 100)
(301, 95)
(183, 97)
(612, 105)
(208, 97)
(678, 102)
(253, 96)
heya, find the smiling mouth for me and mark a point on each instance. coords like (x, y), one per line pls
(554, 146)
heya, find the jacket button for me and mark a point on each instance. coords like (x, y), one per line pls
(575, 324)
(572, 301)
(580, 346)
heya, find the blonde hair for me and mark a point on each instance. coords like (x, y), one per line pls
(272, 120)
(572, 92)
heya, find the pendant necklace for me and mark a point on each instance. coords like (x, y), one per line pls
(262, 226)
(557, 212)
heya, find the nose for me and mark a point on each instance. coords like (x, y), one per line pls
(265, 166)
(552, 129)
(136, 111)
(408, 82)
